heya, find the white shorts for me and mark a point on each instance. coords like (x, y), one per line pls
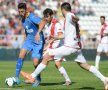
(63, 51)
(102, 48)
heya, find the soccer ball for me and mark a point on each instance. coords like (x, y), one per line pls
(10, 81)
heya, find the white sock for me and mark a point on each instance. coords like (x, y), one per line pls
(64, 73)
(38, 70)
(97, 61)
(97, 73)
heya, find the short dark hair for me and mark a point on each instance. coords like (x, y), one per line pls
(22, 6)
(102, 17)
(66, 6)
(48, 11)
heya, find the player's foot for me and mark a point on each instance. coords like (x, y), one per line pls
(106, 84)
(27, 81)
(28, 77)
(35, 84)
(17, 81)
(67, 83)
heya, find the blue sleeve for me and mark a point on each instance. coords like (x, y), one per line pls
(35, 19)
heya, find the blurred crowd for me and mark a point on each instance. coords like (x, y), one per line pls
(10, 24)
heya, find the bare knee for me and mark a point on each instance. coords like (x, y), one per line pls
(98, 53)
(84, 65)
(107, 54)
(57, 64)
(22, 53)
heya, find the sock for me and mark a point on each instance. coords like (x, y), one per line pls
(64, 73)
(97, 61)
(38, 70)
(38, 77)
(97, 73)
(19, 65)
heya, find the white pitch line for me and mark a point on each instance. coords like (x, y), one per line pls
(11, 89)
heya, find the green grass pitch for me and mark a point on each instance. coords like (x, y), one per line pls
(51, 78)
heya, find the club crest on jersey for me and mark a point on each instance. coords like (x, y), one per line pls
(26, 27)
(29, 30)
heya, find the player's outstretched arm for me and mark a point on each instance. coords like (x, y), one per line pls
(41, 27)
(59, 36)
(75, 18)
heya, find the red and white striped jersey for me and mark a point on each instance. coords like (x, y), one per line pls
(53, 29)
(104, 29)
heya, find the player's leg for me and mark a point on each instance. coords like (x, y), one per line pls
(37, 56)
(58, 64)
(97, 59)
(31, 77)
(106, 49)
(35, 64)
(25, 49)
(83, 64)
(19, 63)
(46, 58)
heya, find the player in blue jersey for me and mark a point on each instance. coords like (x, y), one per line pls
(34, 42)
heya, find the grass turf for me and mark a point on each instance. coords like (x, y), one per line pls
(51, 78)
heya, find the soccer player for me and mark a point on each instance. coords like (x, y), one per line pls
(34, 41)
(71, 46)
(103, 45)
(54, 36)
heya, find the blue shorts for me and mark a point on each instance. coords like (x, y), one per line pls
(36, 49)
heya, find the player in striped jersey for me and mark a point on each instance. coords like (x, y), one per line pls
(103, 45)
(54, 36)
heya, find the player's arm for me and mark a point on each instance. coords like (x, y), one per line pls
(41, 27)
(41, 23)
(75, 18)
(106, 32)
(59, 36)
(48, 43)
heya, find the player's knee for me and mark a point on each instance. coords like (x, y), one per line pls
(21, 55)
(107, 54)
(98, 53)
(58, 64)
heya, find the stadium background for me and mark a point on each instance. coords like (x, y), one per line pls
(11, 30)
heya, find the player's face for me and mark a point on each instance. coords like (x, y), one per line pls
(48, 18)
(102, 21)
(63, 12)
(22, 12)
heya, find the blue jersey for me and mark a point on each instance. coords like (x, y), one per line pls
(31, 26)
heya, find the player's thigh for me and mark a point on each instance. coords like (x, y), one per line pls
(80, 58)
(105, 48)
(26, 48)
(37, 51)
(61, 51)
(100, 48)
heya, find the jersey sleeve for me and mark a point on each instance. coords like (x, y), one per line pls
(106, 30)
(35, 19)
(70, 17)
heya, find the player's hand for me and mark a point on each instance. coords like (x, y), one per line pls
(37, 37)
